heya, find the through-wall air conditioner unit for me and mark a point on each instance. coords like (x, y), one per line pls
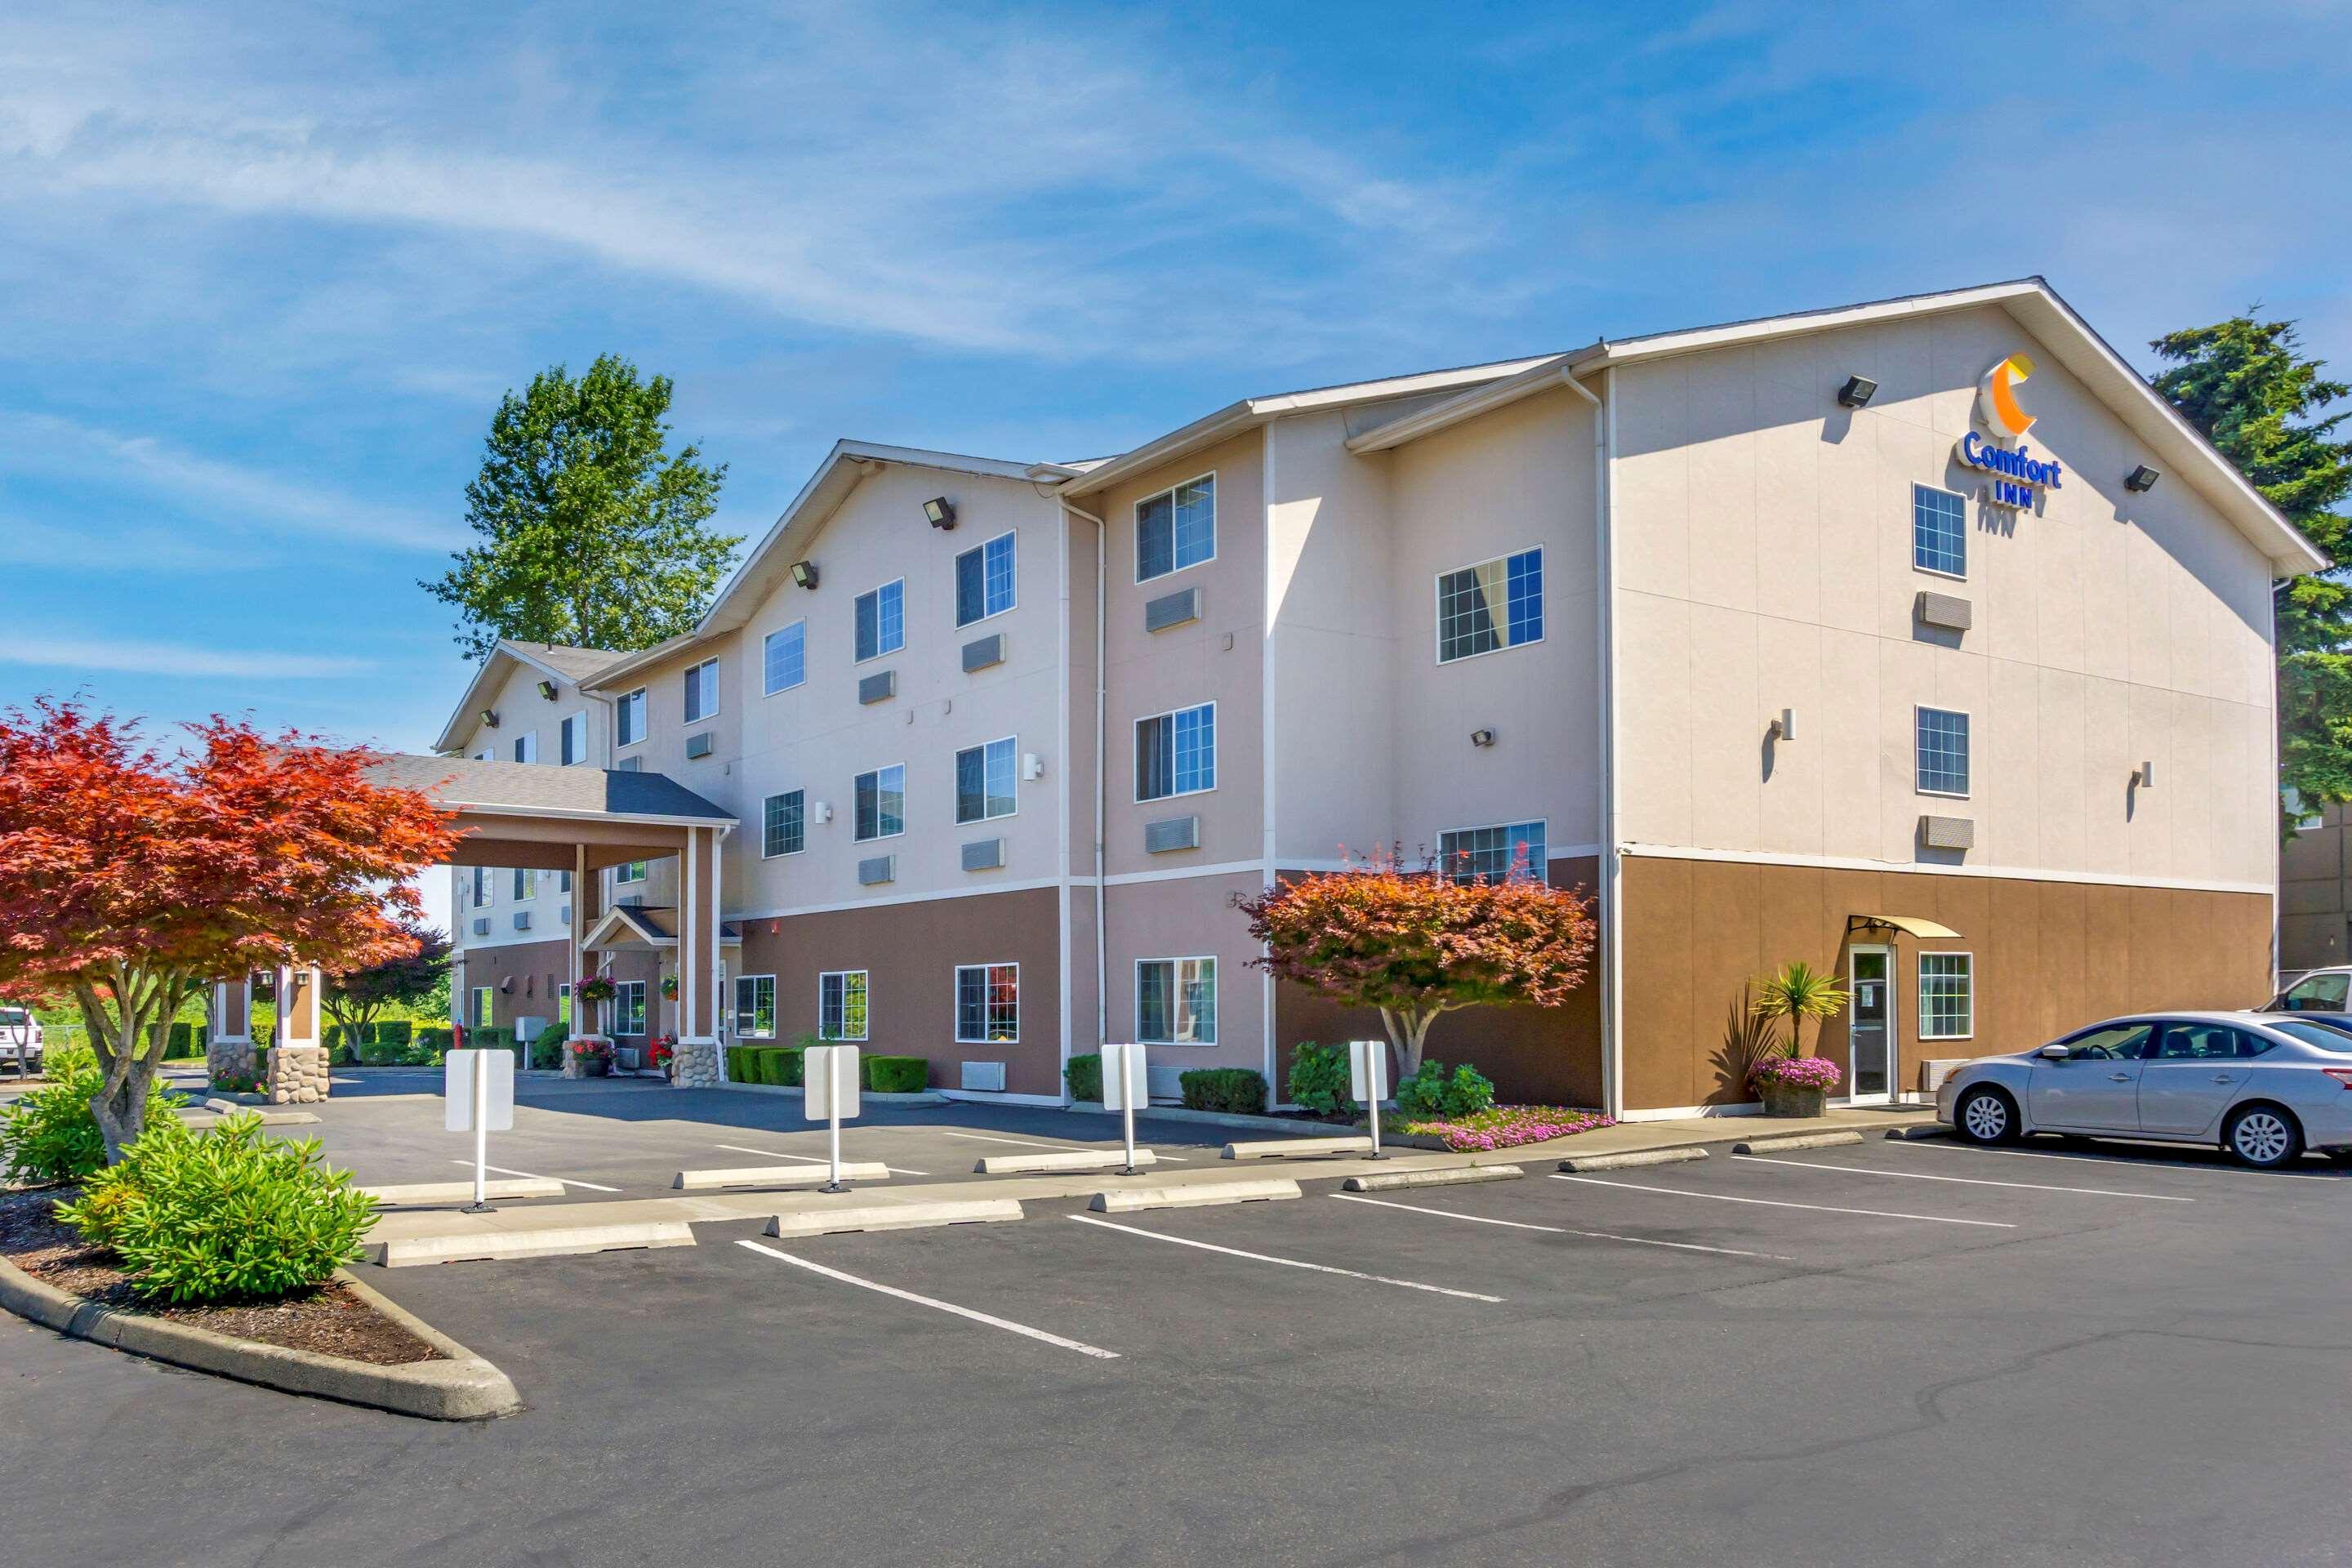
(1171, 833)
(983, 855)
(482, 926)
(630, 766)
(1172, 609)
(879, 686)
(1948, 832)
(698, 745)
(1945, 610)
(522, 920)
(982, 652)
(878, 869)
(983, 1078)
(563, 916)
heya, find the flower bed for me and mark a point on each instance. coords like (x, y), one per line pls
(1508, 1126)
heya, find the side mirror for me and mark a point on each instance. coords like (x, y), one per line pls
(2055, 1052)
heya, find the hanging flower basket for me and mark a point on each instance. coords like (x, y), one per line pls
(669, 987)
(594, 988)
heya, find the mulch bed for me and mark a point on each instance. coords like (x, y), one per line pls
(329, 1321)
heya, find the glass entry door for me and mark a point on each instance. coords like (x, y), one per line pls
(1870, 1027)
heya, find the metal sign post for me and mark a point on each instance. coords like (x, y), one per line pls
(1125, 1081)
(1368, 1080)
(829, 1094)
(478, 1089)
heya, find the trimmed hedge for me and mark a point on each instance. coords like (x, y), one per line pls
(896, 1075)
(1084, 1076)
(395, 1032)
(437, 1037)
(1234, 1090)
(547, 1051)
(187, 1040)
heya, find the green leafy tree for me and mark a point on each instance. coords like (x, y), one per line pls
(2248, 386)
(592, 534)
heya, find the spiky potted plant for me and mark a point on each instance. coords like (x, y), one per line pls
(1789, 1082)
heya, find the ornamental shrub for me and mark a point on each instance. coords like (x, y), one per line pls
(395, 1032)
(1320, 1079)
(1234, 1090)
(223, 1215)
(895, 1074)
(436, 1040)
(1082, 1076)
(791, 1067)
(767, 1065)
(1435, 1094)
(547, 1051)
(187, 1040)
(47, 1134)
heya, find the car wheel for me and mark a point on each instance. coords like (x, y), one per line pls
(2265, 1137)
(1985, 1116)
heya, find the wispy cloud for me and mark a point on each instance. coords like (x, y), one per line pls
(177, 660)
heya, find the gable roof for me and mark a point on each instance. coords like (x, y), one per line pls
(542, 789)
(566, 666)
(2180, 446)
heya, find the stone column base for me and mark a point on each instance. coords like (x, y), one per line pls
(695, 1065)
(298, 1075)
(228, 1059)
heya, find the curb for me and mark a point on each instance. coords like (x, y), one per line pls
(464, 1387)
(1209, 1118)
(896, 1216)
(421, 1194)
(495, 1245)
(1391, 1181)
(1925, 1130)
(1282, 1148)
(1801, 1140)
(776, 1176)
(1069, 1159)
(1198, 1195)
(925, 1097)
(1631, 1158)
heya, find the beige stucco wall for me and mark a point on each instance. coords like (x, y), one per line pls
(522, 710)
(1762, 552)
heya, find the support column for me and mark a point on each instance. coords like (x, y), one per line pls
(591, 1022)
(297, 1070)
(228, 1043)
(697, 1064)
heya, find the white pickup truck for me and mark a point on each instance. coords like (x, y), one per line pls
(20, 1040)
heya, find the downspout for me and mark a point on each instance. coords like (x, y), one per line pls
(1613, 1074)
(1102, 679)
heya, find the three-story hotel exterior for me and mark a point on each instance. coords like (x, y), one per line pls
(1918, 640)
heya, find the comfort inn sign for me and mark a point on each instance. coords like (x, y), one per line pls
(2015, 469)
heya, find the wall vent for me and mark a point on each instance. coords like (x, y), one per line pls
(1948, 832)
(879, 869)
(982, 652)
(986, 1077)
(878, 686)
(1171, 833)
(983, 855)
(698, 745)
(522, 920)
(1944, 610)
(1171, 610)
(482, 926)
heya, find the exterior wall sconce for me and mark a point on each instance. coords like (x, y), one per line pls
(489, 717)
(2143, 777)
(1857, 391)
(2142, 478)
(940, 512)
(1482, 737)
(1784, 728)
(547, 689)
(1032, 766)
(821, 812)
(805, 573)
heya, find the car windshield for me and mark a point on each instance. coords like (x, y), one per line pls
(2314, 1033)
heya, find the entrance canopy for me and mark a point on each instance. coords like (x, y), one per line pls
(1910, 925)
(541, 818)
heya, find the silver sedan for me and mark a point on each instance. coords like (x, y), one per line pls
(2262, 1086)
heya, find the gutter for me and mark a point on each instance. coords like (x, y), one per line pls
(1102, 683)
(1613, 1048)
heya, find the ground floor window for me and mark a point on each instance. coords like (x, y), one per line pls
(480, 1015)
(629, 1007)
(564, 1003)
(1947, 996)
(1176, 1001)
(988, 1003)
(841, 1005)
(755, 1006)
(1471, 853)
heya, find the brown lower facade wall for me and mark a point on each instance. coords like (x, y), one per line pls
(2048, 957)
(1548, 1056)
(524, 977)
(909, 953)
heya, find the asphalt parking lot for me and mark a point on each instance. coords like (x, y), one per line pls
(1893, 1352)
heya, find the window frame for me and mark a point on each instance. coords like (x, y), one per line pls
(767, 854)
(527, 742)
(1209, 788)
(564, 733)
(622, 707)
(1437, 606)
(1921, 1015)
(1962, 574)
(482, 1009)
(1539, 870)
(1919, 708)
(1175, 985)
(629, 1006)
(1014, 794)
(981, 549)
(875, 594)
(645, 873)
(735, 1015)
(481, 889)
(707, 689)
(526, 883)
(1135, 520)
(800, 625)
(985, 970)
(876, 774)
(865, 1022)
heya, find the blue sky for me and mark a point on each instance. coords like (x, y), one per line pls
(269, 269)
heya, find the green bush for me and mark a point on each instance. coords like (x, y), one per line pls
(223, 1215)
(896, 1075)
(436, 1040)
(187, 1040)
(1320, 1079)
(261, 1064)
(47, 1134)
(768, 1064)
(1234, 1090)
(547, 1051)
(392, 1032)
(1433, 1093)
(1083, 1075)
(739, 1064)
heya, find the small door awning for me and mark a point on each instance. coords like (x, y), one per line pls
(1910, 925)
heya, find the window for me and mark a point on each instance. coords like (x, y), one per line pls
(2111, 1043)
(784, 657)
(2187, 1042)
(629, 1007)
(1176, 753)
(984, 581)
(526, 884)
(481, 887)
(576, 738)
(481, 1011)
(1947, 996)
(1176, 529)
(1939, 531)
(882, 620)
(630, 871)
(882, 803)
(782, 825)
(841, 1005)
(563, 881)
(988, 1003)
(1176, 1001)
(1494, 604)
(1469, 854)
(564, 1003)
(2312, 1032)
(630, 717)
(1943, 751)
(2315, 993)
(755, 1006)
(702, 691)
(526, 747)
(984, 780)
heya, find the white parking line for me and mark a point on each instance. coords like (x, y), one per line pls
(534, 1175)
(994, 1322)
(1778, 1204)
(2154, 1163)
(1285, 1262)
(807, 1158)
(1561, 1229)
(1058, 1148)
(1971, 1181)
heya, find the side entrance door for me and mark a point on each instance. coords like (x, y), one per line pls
(1870, 1027)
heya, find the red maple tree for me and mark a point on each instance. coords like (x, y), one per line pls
(128, 880)
(1420, 945)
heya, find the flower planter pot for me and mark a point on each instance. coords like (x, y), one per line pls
(1783, 1099)
(599, 1067)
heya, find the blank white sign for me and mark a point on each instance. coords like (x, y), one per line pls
(457, 1091)
(1367, 1070)
(829, 1082)
(1124, 1082)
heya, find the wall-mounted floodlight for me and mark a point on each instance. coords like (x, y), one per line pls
(1784, 728)
(2142, 478)
(805, 573)
(940, 512)
(1857, 391)
(1482, 737)
(489, 717)
(547, 689)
